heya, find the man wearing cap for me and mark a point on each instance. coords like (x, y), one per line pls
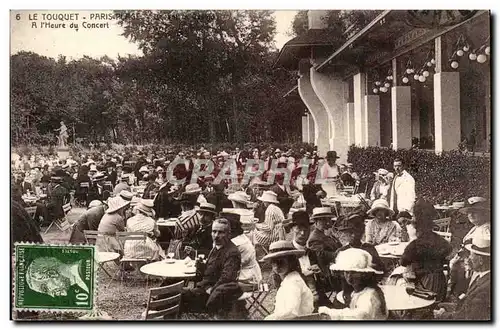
(402, 189)
(315, 278)
(88, 221)
(201, 239)
(475, 304)
(381, 186)
(323, 245)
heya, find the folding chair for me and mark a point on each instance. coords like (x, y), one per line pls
(168, 304)
(31, 211)
(63, 223)
(254, 300)
(442, 225)
(445, 235)
(122, 238)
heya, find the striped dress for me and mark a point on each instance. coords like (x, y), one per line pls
(271, 230)
(187, 223)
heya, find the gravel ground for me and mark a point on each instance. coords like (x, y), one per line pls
(125, 301)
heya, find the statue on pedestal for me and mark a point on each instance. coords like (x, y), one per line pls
(63, 135)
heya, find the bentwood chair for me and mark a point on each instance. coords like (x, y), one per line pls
(164, 301)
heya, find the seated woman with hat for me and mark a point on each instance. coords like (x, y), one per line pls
(479, 214)
(293, 297)
(381, 186)
(112, 222)
(382, 229)
(271, 230)
(426, 255)
(352, 227)
(143, 222)
(239, 199)
(367, 301)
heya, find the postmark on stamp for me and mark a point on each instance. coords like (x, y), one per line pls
(55, 277)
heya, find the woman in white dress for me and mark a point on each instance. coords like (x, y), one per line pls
(294, 298)
(367, 299)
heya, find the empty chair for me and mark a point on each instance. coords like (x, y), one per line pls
(164, 301)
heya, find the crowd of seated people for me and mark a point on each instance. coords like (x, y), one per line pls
(313, 251)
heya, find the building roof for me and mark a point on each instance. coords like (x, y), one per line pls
(301, 46)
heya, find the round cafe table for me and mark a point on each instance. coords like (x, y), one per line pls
(103, 257)
(391, 250)
(178, 269)
(397, 299)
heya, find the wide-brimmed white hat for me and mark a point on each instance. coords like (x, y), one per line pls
(239, 196)
(269, 196)
(143, 169)
(480, 245)
(146, 206)
(282, 249)
(115, 204)
(354, 260)
(192, 188)
(93, 168)
(380, 204)
(126, 195)
(322, 212)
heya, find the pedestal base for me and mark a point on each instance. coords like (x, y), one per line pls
(62, 153)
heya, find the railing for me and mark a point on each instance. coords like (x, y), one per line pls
(355, 20)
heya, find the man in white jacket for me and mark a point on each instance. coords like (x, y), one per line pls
(402, 190)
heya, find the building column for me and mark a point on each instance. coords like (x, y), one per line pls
(415, 123)
(401, 117)
(304, 129)
(446, 111)
(359, 109)
(310, 129)
(446, 102)
(350, 123)
(372, 110)
(317, 111)
(330, 89)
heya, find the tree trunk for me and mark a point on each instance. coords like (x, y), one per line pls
(236, 126)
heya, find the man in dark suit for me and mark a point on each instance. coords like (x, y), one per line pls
(221, 271)
(57, 196)
(475, 304)
(315, 278)
(324, 246)
(88, 221)
(284, 193)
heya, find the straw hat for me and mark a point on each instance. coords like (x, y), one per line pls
(282, 249)
(192, 188)
(480, 245)
(269, 196)
(146, 206)
(207, 207)
(475, 204)
(239, 196)
(115, 204)
(380, 204)
(95, 203)
(322, 212)
(354, 260)
(126, 195)
(143, 169)
(381, 172)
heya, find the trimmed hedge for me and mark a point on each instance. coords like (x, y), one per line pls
(451, 176)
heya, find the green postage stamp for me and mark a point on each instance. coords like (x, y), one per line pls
(54, 277)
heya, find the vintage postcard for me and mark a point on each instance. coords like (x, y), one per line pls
(251, 164)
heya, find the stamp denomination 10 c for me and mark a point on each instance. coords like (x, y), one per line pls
(54, 277)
